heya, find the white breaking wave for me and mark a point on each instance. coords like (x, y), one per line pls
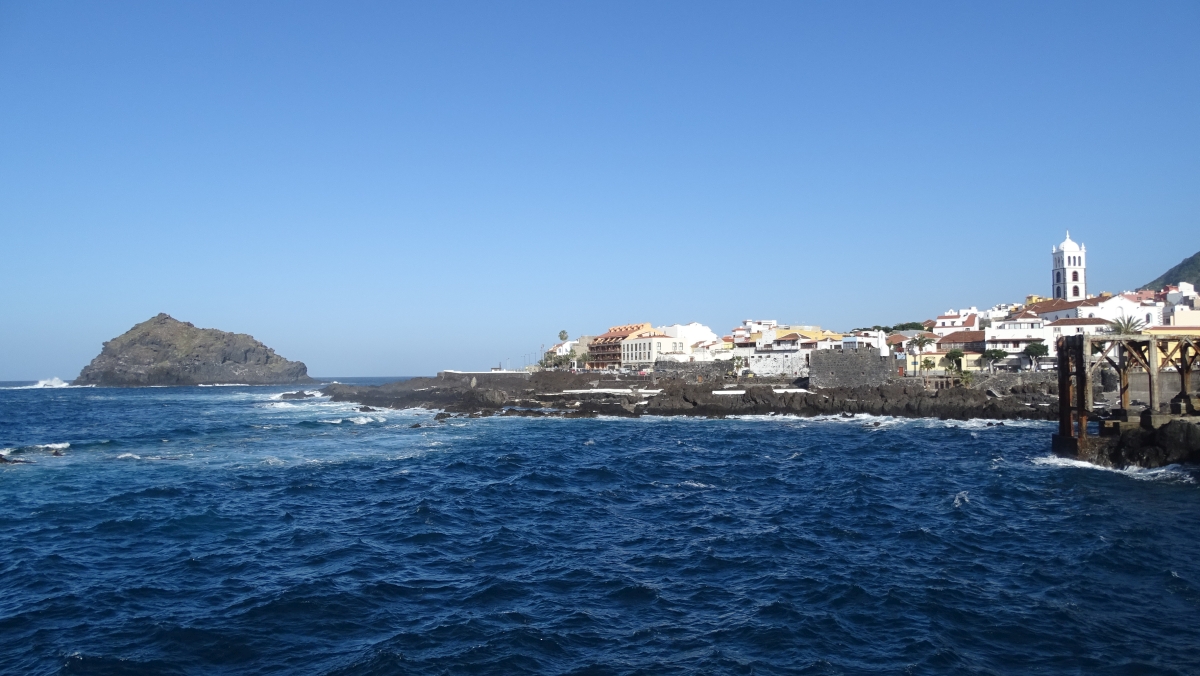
(1170, 472)
(48, 384)
(130, 456)
(961, 499)
(226, 385)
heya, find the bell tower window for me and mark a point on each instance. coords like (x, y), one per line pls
(1075, 291)
(1075, 276)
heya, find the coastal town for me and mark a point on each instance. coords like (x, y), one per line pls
(1003, 337)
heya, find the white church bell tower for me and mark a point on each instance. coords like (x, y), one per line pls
(1068, 279)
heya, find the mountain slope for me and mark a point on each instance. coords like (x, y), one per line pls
(1186, 271)
(165, 351)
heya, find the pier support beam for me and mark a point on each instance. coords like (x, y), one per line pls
(1083, 386)
(1064, 390)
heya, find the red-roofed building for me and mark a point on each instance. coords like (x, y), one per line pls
(953, 321)
(605, 349)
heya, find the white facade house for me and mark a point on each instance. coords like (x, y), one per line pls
(749, 327)
(1153, 313)
(998, 312)
(642, 349)
(564, 348)
(780, 355)
(1014, 334)
(713, 350)
(873, 339)
(952, 322)
(691, 342)
(1068, 274)
(1077, 326)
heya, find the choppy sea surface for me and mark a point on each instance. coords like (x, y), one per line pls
(222, 530)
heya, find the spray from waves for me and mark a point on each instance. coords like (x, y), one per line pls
(48, 384)
(34, 448)
(1168, 473)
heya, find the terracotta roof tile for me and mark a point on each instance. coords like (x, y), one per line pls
(963, 337)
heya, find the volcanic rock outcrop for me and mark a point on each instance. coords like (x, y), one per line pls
(165, 351)
(576, 395)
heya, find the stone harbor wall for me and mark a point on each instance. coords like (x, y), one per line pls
(694, 372)
(1003, 382)
(783, 364)
(850, 368)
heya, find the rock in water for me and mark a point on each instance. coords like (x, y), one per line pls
(166, 351)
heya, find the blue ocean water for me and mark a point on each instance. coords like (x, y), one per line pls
(222, 530)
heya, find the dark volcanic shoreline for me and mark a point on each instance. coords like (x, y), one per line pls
(584, 395)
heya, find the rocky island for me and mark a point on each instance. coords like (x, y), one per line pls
(165, 351)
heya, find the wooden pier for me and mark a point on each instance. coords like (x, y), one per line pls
(1080, 360)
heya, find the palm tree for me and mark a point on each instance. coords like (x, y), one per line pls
(927, 364)
(562, 335)
(917, 344)
(1126, 326)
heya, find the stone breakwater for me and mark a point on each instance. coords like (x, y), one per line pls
(585, 395)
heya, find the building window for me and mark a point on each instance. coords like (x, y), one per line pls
(1075, 291)
(1147, 320)
(1058, 276)
(1075, 276)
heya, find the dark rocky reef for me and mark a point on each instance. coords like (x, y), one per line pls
(165, 351)
(581, 395)
(1176, 442)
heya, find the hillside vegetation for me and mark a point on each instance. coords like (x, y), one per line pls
(1187, 271)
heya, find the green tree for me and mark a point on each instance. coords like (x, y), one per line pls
(927, 364)
(562, 335)
(993, 356)
(917, 344)
(1126, 326)
(954, 358)
(1036, 351)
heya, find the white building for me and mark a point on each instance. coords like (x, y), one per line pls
(1109, 308)
(749, 327)
(862, 339)
(952, 322)
(998, 312)
(641, 349)
(1068, 274)
(692, 342)
(781, 355)
(1077, 326)
(564, 348)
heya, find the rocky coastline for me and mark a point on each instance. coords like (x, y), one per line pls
(587, 395)
(163, 351)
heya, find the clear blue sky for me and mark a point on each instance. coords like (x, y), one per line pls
(387, 189)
